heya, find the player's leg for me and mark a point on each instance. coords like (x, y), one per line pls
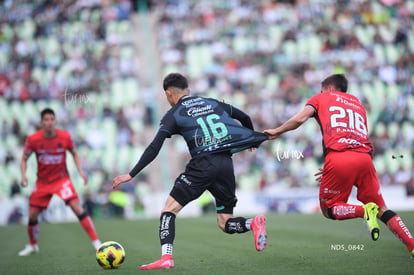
(166, 235)
(66, 191)
(341, 172)
(33, 232)
(231, 225)
(167, 225)
(223, 189)
(397, 226)
(38, 201)
(369, 191)
(336, 185)
(187, 187)
(85, 221)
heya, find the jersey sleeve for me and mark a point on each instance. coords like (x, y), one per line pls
(238, 114)
(168, 124)
(28, 147)
(150, 153)
(314, 102)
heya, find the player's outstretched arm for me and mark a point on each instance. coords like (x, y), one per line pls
(120, 179)
(147, 157)
(23, 168)
(292, 123)
(77, 161)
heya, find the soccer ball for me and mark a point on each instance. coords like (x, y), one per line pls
(110, 255)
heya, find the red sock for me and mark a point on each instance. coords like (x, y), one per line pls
(33, 231)
(397, 226)
(344, 211)
(87, 225)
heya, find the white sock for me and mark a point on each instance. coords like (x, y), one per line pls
(248, 221)
(167, 249)
(96, 243)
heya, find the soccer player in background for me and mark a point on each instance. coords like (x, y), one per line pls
(50, 145)
(212, 136)
(348, 159)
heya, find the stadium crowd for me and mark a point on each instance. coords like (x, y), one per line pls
(77, 57)
(266, 57)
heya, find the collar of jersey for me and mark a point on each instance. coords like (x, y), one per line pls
(183, 97)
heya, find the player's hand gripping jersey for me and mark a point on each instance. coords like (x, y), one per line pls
(207, 125)
(343, 122)
(50, 154)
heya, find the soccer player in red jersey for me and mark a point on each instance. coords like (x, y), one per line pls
(348, 159)
(50, 145)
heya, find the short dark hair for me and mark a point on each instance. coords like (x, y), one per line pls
(46, 111)
(339, 81)
(175, 80)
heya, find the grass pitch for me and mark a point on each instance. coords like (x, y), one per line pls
(297, 244)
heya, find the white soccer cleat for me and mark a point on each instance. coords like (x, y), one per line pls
(29, 249)
(96, 244)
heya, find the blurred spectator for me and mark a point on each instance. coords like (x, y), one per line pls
(15, 189)
(410, 187)
(9, 158)
(402, 176)
(118, 200)
(89, 204)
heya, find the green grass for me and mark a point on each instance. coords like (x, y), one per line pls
(298, 244)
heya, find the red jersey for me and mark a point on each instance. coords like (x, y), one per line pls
(343, 122)
(50, 154)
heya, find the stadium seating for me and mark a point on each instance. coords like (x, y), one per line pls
(300, 43)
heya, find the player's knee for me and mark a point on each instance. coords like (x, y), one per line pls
(33, 222)
(387, 215)
(82, 216)
(381, 211)
(76, 207)
(33, 216)
(327, 212)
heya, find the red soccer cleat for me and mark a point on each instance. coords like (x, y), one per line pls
(258, 226)
(166, 262)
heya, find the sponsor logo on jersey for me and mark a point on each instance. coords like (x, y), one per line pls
(350, 141)
(51, 159)
(199, 111)
(345, 99)
(328, 191)
(193, 102)
(50, 151)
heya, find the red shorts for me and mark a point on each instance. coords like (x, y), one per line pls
(43, 192)
(341, 171)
